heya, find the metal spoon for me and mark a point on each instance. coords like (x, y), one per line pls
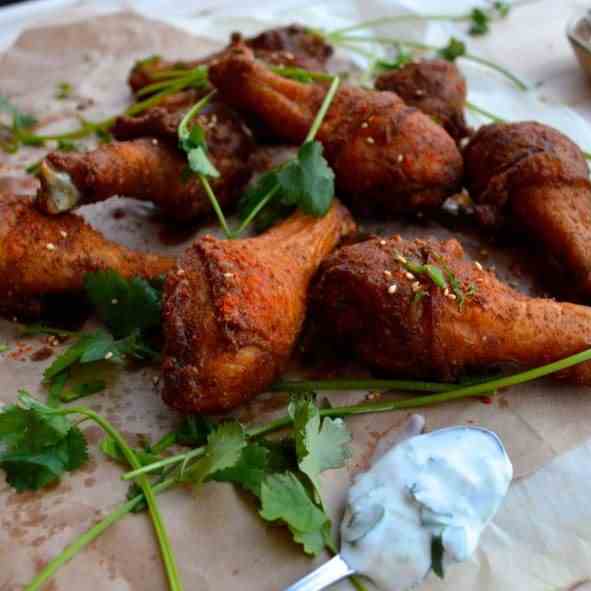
(337, 569)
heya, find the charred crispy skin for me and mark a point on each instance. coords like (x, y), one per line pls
(148, 165)
(436, 87)
(293, 46)
(436, 337)
(42, 255)
(388, 157)
(234, 308)
(532, 179)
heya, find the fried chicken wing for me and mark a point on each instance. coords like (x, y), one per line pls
(404, 324)
(42, 255)
(387, 157)
(148, 165)
(294, 46)
(435, 87)
(234, 308)
(530, 178)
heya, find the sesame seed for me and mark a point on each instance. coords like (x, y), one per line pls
(370, 140)
(114, 301)
(63, 234)
(452, 296)
(383, 243)
(400, 157)
(478, 266)
(156, 380)
(392, 289)
(409, 275)
(400, 258)
(416, 286)
(388, 273)
(365, 125)
(50, 246)
(180, 272)
(446, 291)
(155, 141)
(109, 355)
(228, 275)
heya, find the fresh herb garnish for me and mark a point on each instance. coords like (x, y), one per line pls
(4, 348)
(255, 433)
(301, 75)
(403, 58)
(37, 447)
(67, 146)
(437, 556)
(480, 18)
(63, 90)
(453, 50)
(11, 136)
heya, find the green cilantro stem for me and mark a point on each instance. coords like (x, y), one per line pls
(216, 206)
(200, 104)
(402, 18)
(369, 384)
(323, 109)
(89, 536)
(309, 137)
(89, 127)
(348, 41)
(455, 393)
(255, 211)
(148, 492)
(291, 72)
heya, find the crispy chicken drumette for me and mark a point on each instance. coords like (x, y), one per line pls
(387, 157)
(148, 165)
(528, 177)
(293, 46)
(42, 255)
(233, 310)
(434, 86)
(404, 324)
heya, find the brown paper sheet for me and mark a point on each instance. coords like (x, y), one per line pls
(219, 540)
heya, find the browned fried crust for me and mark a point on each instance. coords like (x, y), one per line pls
(535, 179)
(436, 87)
(149, 165)
(292, 46)
(42, 255)
(436, 337)
(234, 308)
(387, 157)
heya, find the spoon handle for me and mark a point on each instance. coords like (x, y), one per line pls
(327, 574)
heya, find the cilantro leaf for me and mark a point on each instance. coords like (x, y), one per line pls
(37, 447)
(284, 498)
(124, 305)
(249, 471)
(479, 22)
(63, 90)
(275, 210)
(320, 445)
(224, 450)
(194, 431)
(453, 50)
(199, 163)
(308, 181)
(403, 58)
(81, 390)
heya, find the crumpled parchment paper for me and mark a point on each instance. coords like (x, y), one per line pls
(539, 540)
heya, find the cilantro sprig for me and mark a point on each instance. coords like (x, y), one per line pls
(21, 131)
(479, 19)
(130, 309)
(305, 182)
(39, 444)
(253, 459)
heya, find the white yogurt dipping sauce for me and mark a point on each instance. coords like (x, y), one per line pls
(447, 484)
